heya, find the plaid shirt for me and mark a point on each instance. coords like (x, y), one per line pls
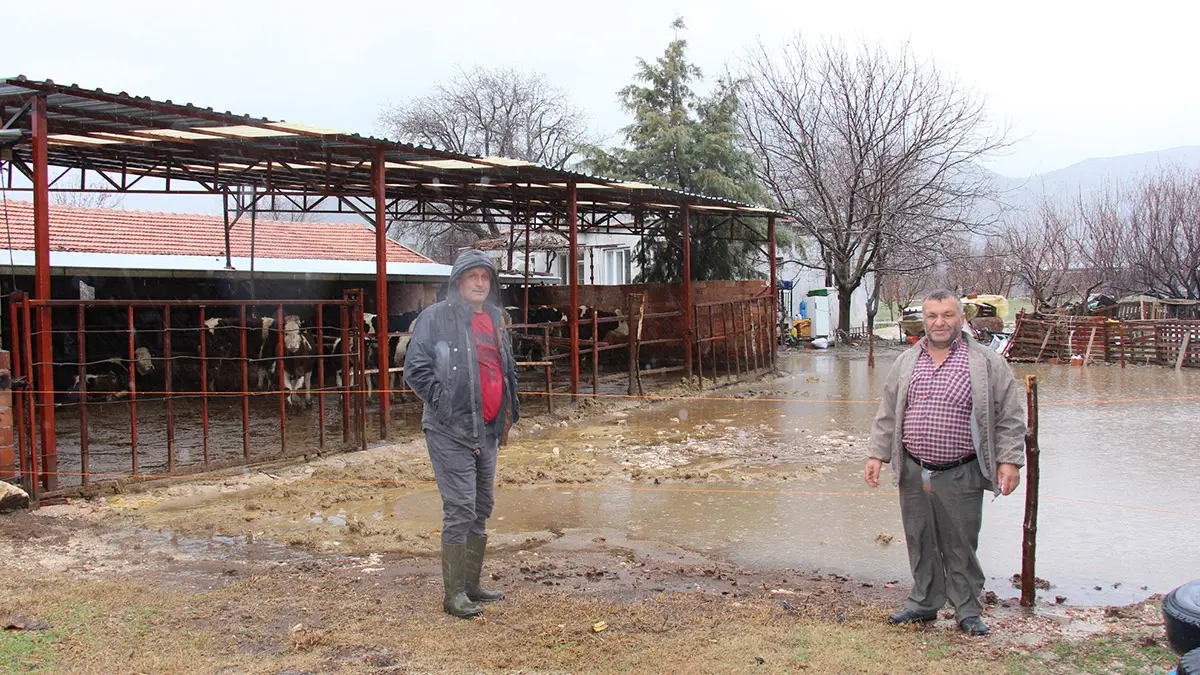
(937, 421)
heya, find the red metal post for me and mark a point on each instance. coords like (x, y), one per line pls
(41, 264)
(321, 377)
(687, 288)
(346, 379)
(280, 363)
(133, 430)
(379, 187)
(242, 328)
(169, 404)
(36, 477)
(19, 396)
(81, 348)
(360, 327)
(204, 386)
(573, 274)
(771, 251)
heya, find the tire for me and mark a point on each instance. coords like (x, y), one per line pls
(1181, 616)
(1190, 663)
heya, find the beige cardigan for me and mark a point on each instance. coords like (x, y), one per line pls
(997, 410)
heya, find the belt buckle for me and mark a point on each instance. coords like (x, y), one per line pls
(927, 480)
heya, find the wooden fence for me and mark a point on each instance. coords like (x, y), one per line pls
(1042, 337)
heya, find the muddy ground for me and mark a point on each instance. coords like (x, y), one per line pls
(293, 569)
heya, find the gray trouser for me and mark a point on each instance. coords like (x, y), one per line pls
(464, 480)
(941, 528)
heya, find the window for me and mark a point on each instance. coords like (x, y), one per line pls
(616, 266)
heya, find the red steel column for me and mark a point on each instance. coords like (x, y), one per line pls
(41, 264)
(381, 288)
(774, 291)
(687, 288)
(573, 274)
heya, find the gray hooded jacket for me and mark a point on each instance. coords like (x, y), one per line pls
(442, 364)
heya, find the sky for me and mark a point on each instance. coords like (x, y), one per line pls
(1075, 80)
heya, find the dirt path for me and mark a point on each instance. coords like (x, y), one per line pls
(264, 572)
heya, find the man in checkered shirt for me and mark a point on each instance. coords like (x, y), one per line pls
(952, 417)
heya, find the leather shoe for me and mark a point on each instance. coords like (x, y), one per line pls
(973, 625)
(909, 616)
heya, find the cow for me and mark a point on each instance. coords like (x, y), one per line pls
(620, 333)
(107, 380)
(224, 349)
(297, 357)
(399, 327)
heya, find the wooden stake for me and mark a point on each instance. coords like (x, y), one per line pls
(1087, 356)
(1032, 476)
(1183, 350)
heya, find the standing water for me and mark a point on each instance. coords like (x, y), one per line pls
(1120, 509)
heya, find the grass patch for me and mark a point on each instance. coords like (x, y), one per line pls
(1097, 656)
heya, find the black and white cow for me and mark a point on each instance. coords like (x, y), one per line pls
(399, 328)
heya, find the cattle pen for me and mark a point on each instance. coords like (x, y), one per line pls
(215, 409)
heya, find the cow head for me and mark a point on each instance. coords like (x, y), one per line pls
(143, 361)
(369, 323)
(291, 333)
(212, 324)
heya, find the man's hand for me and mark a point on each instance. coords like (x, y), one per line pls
(1009, 477)
(871, 474)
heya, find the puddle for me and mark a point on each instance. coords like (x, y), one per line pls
(1119, 507)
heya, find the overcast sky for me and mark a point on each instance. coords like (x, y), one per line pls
(1078, 80)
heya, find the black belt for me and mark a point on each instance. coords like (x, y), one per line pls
(941, 467)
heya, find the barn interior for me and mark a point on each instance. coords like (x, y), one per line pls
(164, 367)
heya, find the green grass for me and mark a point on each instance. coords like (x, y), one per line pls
(1097, 656)
(25, 651)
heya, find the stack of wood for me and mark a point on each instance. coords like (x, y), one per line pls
(1081, 340)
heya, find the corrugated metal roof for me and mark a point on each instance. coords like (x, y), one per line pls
(91, 128)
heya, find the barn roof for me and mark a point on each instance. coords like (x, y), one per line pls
(125, 136)
(95, 230)
(103, 241)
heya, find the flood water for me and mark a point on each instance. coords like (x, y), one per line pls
(1120, 507)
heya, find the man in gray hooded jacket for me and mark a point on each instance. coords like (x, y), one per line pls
(460, 364)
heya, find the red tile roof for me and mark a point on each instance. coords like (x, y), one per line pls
(91, 230)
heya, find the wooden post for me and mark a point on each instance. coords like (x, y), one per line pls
(1087, 356)
(1121, 329)
(1032, 475)
(637, 342)
(629, 342)
(595, 353)
(1045, 340)
(549, 376)
(1183, 350)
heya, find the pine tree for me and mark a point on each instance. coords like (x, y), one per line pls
(683, 141)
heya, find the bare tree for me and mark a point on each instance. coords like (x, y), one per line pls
(974, 267)
(869, 151)
(99, 195)
(486, 112)
(1160, 238)
(493, 112)
(1044, 250)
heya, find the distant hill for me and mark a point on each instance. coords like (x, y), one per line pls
(1091, 175)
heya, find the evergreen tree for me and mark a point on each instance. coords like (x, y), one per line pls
(683, 141)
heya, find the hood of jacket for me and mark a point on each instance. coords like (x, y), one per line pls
(468, 260)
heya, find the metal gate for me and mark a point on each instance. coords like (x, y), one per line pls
(114, 389)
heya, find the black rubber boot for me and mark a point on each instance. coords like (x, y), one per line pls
(474, 567)
(454, 566)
